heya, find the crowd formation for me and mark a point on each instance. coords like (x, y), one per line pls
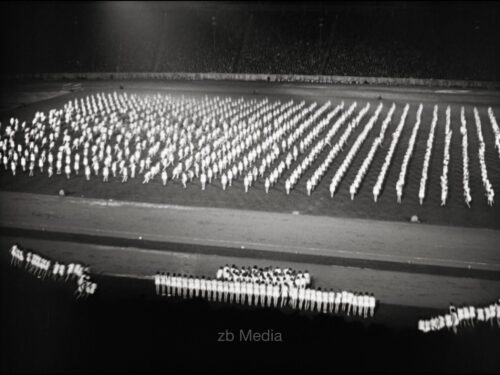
(377, 188)
(199, 45)
(273, 275)
(461, 317)
(465, 159)
(262, 291)
(427, 158)
(319, 173)
(496, 129)
(44, 268)
(217, 140)
(271, 287)
(282, 45)
(369, 157)
(341, 171)
(446, 159)
(309, 159)
(490, 193)
(408, 153)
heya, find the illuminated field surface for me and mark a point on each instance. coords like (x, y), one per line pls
(133, 229)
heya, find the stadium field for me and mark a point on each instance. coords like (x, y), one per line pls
(149, 226)
(250, 187)
(456, 213)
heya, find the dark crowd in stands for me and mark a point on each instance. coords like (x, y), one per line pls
(447, 42)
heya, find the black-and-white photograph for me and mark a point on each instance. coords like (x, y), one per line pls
(250, 187)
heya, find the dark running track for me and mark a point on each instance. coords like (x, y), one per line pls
(133, 239)
(253, 253)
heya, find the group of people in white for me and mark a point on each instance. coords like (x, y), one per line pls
(351, 126)
(257, 292)
(465, 316)
(268, 275)
(214, 139)
(312, 156)
(496, 129)
(319, 173)
(490, 193)
(337, 178)
(353, 189)
(427, 157)
(465, 159)
(408, 153)
(304, 143)
(377, 188)
(446, 158)
(44, 268)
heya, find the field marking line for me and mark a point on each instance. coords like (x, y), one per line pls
(113, 203)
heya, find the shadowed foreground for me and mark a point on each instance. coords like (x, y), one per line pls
(125, 328)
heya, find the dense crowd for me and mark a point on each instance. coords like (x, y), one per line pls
(353, 189)
(372, 43)
(377, 188)
(408, 153)
(446, 159)
(282, 44)
(427, 158)
(218, 140)
(495, 128)
(273, 275)
(462, 317)
(490, 193)
(271, 287)
(44, 268)
(465, 159)
(341, 171)
(261, 292)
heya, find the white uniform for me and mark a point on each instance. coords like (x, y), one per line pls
(223, 181)
(157, 283)
(203, 180)
(246, 183)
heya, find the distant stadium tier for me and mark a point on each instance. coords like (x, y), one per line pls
(409, 41)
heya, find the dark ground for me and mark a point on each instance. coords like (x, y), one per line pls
(125, 328)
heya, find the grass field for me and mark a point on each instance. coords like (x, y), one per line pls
(319, 203)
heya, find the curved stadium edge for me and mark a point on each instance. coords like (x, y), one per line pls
(317, 79)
